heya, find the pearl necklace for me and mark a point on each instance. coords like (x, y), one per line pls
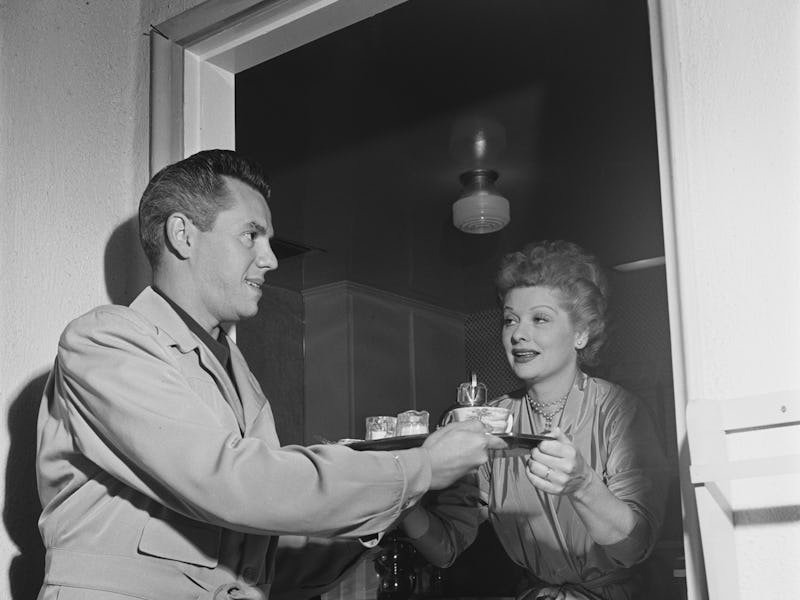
(548, 410)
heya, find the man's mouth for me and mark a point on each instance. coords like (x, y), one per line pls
(254, 283)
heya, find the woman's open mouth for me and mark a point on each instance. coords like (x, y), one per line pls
(523, 356)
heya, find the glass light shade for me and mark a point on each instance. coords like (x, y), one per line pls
(481, 208)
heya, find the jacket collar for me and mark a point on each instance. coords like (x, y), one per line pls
(167, 321)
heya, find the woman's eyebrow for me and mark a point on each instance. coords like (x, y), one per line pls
(548, 307)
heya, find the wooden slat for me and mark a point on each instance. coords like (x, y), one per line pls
(766, 410)
(746, 469)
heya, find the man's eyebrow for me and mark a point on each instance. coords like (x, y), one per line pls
(258, 227)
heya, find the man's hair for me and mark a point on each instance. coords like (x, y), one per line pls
(196, 187)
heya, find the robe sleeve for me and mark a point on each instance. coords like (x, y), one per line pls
(636, 472)
(454, 516)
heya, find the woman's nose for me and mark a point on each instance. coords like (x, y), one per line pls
(519, 333)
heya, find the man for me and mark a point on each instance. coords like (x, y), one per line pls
(159, 468)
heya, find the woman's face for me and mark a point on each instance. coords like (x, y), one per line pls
(538, 335)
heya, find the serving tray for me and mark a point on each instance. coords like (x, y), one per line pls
(515, 441)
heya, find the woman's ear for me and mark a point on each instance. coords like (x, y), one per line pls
(179, 234)
(581, 339)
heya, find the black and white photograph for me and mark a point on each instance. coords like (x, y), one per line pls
(400, 299)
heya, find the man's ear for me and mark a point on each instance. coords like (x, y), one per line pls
(179, 233)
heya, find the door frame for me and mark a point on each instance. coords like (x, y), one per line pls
(196, 55)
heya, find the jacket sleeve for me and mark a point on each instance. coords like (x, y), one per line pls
(134, 414)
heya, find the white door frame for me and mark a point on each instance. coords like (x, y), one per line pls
(196, 55)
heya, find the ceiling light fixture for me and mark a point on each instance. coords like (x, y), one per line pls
(480, 208)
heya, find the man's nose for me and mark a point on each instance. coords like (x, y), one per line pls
(266, 258)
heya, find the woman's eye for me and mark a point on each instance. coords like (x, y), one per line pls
(540, 319)
(507, 321)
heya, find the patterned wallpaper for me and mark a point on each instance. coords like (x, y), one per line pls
(484, 352)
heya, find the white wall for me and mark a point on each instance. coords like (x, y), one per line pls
(735, 118)
(73, 162)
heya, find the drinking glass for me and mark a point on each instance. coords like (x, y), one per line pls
(412, 422)
(380, 427)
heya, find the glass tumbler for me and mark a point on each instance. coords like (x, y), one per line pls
(380, 427)
(412, 422)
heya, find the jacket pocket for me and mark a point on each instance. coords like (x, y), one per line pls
(181, 539)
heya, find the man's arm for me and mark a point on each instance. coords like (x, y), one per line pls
(134, 414)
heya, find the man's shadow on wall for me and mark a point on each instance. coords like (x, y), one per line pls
(126, 274)
(21, 509)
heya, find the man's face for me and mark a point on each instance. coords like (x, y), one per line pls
(230, 261)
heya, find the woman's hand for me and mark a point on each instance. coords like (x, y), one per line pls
(557, 467)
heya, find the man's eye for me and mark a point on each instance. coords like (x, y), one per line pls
(250, 235)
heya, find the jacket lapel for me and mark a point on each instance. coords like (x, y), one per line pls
(224, 383)
(170, 325)
(253, 400)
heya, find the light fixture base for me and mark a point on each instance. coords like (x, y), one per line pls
(481, 208)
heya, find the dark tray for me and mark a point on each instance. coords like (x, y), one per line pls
(522, 441)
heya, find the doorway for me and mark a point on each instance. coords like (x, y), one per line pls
(362, 132)
(581, 185)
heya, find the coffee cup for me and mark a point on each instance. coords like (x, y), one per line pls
(498, 418)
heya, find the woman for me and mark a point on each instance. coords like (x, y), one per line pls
(583, 508)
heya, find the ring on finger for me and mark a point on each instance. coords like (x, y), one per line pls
(547, 474)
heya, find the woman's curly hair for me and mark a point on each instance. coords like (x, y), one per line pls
(574, 274)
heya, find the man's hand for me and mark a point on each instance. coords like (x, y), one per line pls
(457, 449)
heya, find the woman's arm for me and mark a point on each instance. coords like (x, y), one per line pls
(445, 523)
(557, 467)
(621, 501)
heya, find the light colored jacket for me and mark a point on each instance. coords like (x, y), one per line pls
(150, 490)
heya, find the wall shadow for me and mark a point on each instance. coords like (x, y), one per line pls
(22, 509)
(126, 273)
(125, 267)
